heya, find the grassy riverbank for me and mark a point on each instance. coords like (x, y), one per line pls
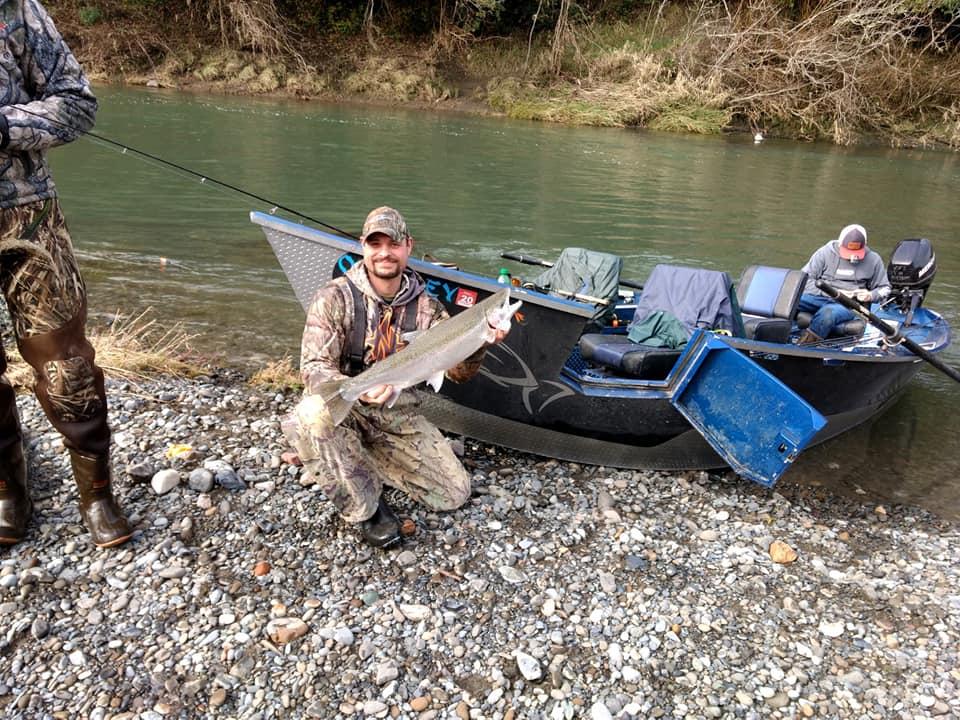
(845, 71)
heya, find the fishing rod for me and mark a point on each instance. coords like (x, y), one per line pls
(893, 335)
(124, 148)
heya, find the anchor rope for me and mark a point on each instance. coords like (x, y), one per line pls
(204, 179)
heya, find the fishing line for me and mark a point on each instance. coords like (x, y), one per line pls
(204, 179)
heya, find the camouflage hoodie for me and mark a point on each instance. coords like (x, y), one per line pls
(325, 351)
(45, 100)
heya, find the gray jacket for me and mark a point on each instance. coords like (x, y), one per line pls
(868, 274)
(45, 100)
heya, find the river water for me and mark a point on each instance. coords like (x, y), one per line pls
(472, 187)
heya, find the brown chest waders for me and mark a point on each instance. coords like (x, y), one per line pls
(42, 286)
(88, 440)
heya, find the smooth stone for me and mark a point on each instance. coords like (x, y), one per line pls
(529, 666)
(283, 630)
(200, 480)
(416, 613)
(165, 481)
(511, 574)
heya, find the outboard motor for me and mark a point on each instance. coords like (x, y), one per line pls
(910, 271)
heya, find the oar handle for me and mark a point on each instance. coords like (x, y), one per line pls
(892, 333)
(530, 260)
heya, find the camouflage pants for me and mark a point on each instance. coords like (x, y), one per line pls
(373, 446)
(47, 301)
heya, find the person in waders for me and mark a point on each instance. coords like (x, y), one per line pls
(45, 101)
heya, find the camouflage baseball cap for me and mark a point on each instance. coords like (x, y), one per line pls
(385, 220)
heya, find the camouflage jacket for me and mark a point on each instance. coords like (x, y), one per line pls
(45, 100)
(325, 351)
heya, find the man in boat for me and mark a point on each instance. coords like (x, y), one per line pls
(353, 322)
(848, 265)
(46, 101)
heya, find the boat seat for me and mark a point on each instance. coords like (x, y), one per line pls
(851, 328)
(768, 299)
(633, 359)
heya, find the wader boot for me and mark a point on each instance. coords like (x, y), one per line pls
(15, 504)
(98, 508)
(382, 528)
(76, 404)
(809, 337)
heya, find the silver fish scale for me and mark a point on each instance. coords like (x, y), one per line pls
(428, 353)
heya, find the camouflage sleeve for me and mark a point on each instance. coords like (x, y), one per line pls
(64, 107)
(323, 338)
(469, 367)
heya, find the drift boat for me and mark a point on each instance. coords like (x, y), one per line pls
(569, 383)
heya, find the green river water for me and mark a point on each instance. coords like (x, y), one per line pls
(472, 187)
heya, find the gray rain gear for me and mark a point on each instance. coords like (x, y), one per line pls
(868, 274)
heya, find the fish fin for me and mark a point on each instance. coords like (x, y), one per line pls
(338, 408)
(435, 381)
(411, 336)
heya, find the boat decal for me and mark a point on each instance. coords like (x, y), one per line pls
(465, 298)
(445, 292)
(345, 262)
(528, 381)
(564, 391)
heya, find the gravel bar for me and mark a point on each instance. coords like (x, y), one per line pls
(558, 591)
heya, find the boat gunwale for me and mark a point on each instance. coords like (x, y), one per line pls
(309, 234)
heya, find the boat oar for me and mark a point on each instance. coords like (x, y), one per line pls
(894, 336)
(530, 260)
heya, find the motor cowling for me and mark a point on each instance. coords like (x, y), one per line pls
(910, 270)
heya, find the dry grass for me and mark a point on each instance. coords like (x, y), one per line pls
(278, 375)
(397, 80)
(132, 348)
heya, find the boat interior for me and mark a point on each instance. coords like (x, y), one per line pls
(630, 337)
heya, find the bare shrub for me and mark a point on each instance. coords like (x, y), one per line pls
(847, 66)
(255, 25)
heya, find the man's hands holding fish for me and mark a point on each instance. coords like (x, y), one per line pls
(383, 393)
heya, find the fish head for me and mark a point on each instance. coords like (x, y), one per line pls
(499, 316)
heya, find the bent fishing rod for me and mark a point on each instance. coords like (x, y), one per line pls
(124, 149)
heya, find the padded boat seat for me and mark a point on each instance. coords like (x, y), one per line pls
(850, 328)
(630, 358)
(768, 299)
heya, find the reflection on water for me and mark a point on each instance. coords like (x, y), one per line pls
(900, 456)
(474, 187)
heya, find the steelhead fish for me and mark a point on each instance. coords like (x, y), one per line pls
(428, 355)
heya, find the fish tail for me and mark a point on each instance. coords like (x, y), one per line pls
(336, 405)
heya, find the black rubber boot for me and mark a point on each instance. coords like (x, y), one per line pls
(382, 528)
(15, 504)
